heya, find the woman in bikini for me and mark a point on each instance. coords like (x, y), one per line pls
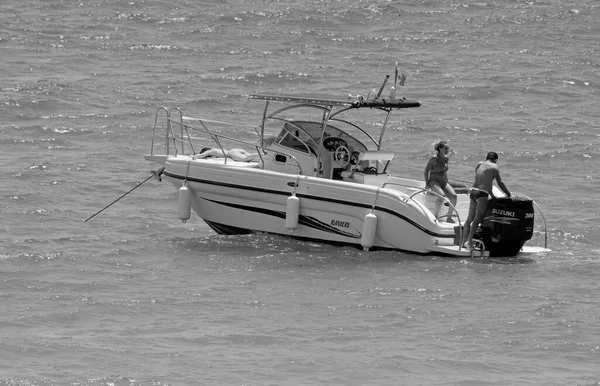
(436, 177)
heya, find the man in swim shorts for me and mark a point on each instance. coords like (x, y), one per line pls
(485, 174)
(477, 194)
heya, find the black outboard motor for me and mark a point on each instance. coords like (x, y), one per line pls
(506, 226)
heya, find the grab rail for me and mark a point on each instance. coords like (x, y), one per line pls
(423, 191)
(426, 191)
(154, 131)
(183, 138)
(543, 218)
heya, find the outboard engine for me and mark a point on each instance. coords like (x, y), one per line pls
(506, 226)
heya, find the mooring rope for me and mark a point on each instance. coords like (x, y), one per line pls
(155, 174)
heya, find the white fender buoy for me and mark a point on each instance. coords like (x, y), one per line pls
(184, 203)
(368, 233)
(292, 212)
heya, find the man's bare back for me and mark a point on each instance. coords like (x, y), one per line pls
(485, 172)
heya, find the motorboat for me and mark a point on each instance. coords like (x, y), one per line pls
(317, 171)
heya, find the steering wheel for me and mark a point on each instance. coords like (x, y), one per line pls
(342, 155)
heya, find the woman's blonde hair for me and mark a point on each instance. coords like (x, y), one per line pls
(439, 145)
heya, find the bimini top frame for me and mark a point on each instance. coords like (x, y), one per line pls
(380, 103)
(327, 105)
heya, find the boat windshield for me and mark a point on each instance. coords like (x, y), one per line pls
(296, 137)
(305, 135)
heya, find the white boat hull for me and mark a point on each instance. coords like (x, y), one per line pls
(234, 199)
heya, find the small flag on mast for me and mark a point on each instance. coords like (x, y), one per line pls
(402, 79)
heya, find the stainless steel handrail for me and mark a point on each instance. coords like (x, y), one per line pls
(543, 218)
(184, 137)
(454, 210)
(426, 191)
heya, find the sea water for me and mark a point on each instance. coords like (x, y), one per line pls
(135, 297)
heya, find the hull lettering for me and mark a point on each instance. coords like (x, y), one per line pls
(342, 224)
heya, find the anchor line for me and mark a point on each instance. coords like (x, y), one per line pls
(155, 174)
